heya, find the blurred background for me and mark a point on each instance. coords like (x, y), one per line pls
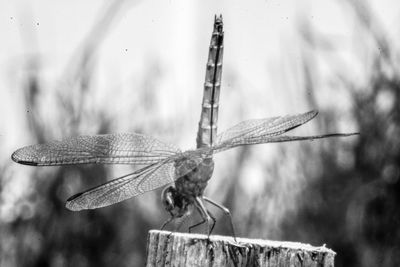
(90, 67)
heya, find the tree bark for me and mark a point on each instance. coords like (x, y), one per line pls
(183, 249)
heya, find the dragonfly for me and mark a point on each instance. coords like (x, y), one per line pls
(184, 173)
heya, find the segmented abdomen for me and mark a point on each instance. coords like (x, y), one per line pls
(209, 114)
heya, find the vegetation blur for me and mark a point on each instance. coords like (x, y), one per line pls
(338, 192)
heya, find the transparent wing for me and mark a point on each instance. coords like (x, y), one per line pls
(121, 148)
(263, 127)
(276, 139)
(146, 179)
(268, 130)
(128, 186)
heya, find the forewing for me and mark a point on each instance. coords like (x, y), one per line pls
(128, 186)
(240, 133)
(268, 130)
(278, 139)
(121, 148)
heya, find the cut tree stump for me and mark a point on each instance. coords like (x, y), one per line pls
(183, 249)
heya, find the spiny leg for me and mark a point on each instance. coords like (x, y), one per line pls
(203, 221)
(214, 222)
(225, 211)
(181, 220)
(167, 222)
(197, 224)
(206, 216)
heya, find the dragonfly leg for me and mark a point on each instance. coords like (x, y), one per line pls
(207, 217)
(225, 211)
(204, 221)
(213, 223)
(195, 225)
(167, 222)
(181, 220)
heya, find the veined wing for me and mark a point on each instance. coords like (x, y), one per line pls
(267, 130)
(122, 188)
(146, 179)
(121, 148)
(274, 139)
(264, 127)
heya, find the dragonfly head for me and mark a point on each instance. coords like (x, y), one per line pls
(174, 203)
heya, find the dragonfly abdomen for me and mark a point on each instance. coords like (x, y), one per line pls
(212, 86)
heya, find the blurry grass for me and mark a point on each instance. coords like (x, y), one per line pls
(341, 193)
(357, 210)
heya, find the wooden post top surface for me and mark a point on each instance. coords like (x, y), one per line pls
(182, 249)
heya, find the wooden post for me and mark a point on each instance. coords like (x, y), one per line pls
(183, 249)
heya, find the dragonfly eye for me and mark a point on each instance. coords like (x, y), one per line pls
(167, 197)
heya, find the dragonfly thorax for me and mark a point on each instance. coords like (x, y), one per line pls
(194, 176)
